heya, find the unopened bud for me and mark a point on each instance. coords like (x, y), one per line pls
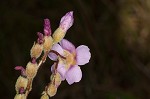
(20, 96)
(44, 96)
(66, 21)
(36, 50)
(58, 35)
(51, 90)
(40, 38)
(48, 42)
(31, 69)
(21, 90)
(21, 83)
(47, 27)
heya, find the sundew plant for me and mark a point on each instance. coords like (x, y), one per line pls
(66, 57)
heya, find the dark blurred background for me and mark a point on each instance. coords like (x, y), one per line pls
(116, 31)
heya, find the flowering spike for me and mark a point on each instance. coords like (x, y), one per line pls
(47, 27)
(66, 21)
(40, 38)
(65, 55)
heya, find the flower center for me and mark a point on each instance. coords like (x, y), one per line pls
(70, 59)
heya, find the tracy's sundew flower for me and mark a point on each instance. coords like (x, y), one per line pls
(68, 67)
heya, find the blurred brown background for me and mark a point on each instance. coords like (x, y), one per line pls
(116, 31)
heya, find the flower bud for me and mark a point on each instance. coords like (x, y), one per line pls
(44, 96)
(51, 90)
(21, 83)
(58, 35)
(48, 42)
(31, 69)
(66, 21)
(47, 27)
(21, 90)
(40, 38)
(36, 50)
(20, 96)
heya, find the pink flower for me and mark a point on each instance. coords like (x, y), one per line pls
(66, 21)
(68, 68)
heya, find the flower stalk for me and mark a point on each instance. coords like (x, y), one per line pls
(66, 60)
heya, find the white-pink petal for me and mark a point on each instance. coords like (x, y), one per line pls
(52, 67)
(74, 74)
(62, 70)
(83, 55)
(65, 44)
(58, 49)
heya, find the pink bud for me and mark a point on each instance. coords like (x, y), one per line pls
(66, 21)
(40, 38)
(21, 90)
(47, 27)
(21, 69)
(33, 60)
